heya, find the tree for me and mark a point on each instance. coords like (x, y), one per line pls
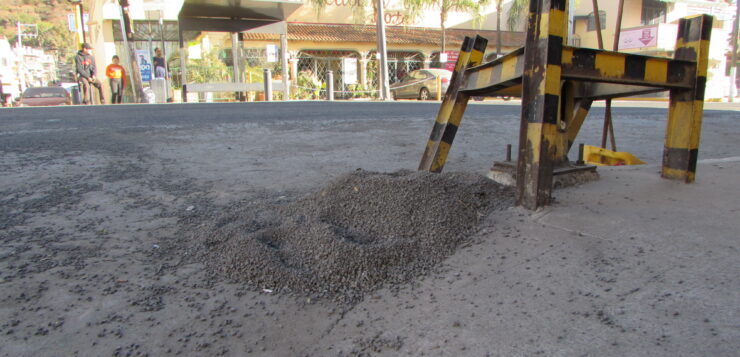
(50, 16)
(517, 10)
(473, 7)
(207, 69)
(515, 14)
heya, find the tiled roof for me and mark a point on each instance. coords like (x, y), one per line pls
(394, 35)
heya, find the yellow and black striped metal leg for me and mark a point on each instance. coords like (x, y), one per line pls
(458, 109)
(445, 109)
(453, 106)
(686, 109)
(541, 88)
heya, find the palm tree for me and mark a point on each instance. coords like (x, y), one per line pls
(516, 11)
(415, 7)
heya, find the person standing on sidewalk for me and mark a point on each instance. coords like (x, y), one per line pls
(117, 78)
(2, 93)
(86, 71)
(160, 65)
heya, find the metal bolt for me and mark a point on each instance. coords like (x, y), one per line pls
(580, 155)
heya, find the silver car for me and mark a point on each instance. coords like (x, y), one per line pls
(421, 84)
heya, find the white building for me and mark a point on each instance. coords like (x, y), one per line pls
(36, 67)
(8, 70)
(650, 27)
(25, 67)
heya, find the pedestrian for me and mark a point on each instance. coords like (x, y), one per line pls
(160, 66)
(86, 71)
(117, 79)
(2, 92)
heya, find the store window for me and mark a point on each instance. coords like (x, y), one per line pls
(653, 12)
(592, 21)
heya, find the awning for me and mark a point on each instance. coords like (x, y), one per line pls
(234, 15)
(396, 35)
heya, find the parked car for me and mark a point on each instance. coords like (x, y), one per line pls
(45, 96)
(421, 84)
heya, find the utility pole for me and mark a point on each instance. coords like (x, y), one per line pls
(20, 60)
(20, 42)
(128, 38)
(733, 63)
(385, 93)
(20, 52)
(79, 22)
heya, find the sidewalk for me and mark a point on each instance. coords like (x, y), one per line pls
(630, 265)
(735, 106)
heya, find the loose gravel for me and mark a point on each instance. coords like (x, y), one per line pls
(363, 230)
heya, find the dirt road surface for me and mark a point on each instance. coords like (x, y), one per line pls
(98, 206)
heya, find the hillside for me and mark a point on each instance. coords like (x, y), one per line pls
(49, 15)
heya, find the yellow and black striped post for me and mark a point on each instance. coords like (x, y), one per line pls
(539, 137)
(686, 109)
(452, 108)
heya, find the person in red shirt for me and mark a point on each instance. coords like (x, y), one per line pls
(117, 79)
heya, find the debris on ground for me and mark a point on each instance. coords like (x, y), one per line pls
(363, 230)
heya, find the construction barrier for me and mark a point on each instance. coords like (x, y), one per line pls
(558, 83)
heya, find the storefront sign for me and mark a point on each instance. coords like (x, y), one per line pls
(272, 53)
(349, 70)
(72, 24)
(451, 60)
(638, 38)
(145, 65)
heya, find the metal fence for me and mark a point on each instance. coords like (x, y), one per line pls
(316, 63)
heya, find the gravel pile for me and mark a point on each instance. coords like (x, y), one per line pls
(361, 231)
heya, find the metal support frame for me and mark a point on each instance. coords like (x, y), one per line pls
(558, 83)
(539, 139)
(686, 109)
(453, 107)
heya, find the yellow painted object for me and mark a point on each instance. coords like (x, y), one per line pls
(597, 156)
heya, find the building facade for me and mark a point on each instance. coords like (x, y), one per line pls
(317, 40)
(650, 27)
(23, 67)
(341, 35)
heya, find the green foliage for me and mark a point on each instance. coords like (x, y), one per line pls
(50, 16)
(517, 11)
(307, 86)
(209, 69)
(473, 7)
(254, 74)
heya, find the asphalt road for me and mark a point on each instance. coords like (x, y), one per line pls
(392, 135)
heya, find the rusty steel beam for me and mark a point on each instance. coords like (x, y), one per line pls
(539, 136)
(631, 74)
(591, 65)
(501, 73)
(600, 91)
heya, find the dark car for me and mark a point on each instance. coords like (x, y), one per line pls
(45, 96)
(421, 84)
